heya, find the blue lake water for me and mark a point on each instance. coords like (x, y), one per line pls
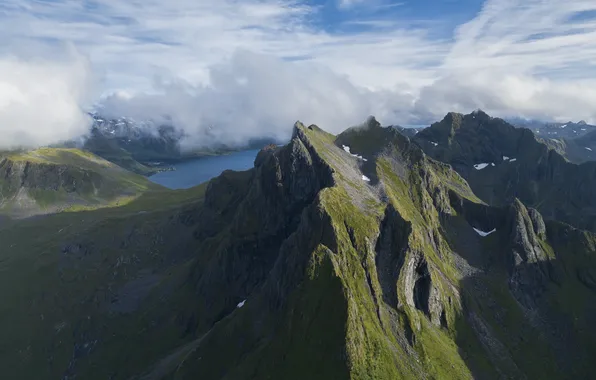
(195, 172)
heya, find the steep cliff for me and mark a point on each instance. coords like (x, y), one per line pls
(501, 163)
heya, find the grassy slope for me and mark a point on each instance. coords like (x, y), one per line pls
(111, 151)
(61, 274)
(96, 182)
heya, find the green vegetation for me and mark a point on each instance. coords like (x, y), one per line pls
(55, 179)
(299, 268)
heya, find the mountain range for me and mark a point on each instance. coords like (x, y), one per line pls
(465, 251)
(146, 147)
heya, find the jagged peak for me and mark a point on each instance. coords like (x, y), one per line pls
(371, 122)
(479, 113)
(298, 125)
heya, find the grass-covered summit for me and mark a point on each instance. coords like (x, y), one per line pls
(337, 257)
(55, 179)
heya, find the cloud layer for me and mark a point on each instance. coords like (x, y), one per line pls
(251, 68)
(40, 101)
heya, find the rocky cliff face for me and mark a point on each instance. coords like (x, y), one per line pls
(501, 163)
(351, 256)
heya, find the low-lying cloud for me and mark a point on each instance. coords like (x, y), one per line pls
(40, 101)
(254, 96)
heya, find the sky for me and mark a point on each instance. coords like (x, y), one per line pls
(251, 68)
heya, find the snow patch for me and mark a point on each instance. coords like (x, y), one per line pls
(480, 166)
(484, 234)
(434, 143)
(492, 164)
(590, 149)
(347, 149)
(583, 129)
(513, 160)
(240, 304)
(505, 158)
(563, 126)
(365, 178)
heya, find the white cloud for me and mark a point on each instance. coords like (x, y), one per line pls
(39, 101)
(231, 63)
(255, 95)
(527, 58)
(342, 4)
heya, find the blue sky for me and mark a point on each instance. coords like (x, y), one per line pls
(270, 62)
(443, 15)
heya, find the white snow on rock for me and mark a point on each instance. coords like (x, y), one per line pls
(484, 234)
(347, 149)
(492, 164)
(590, 149)
(513, 160)
(480, 166)
(365, 178)
(563, 126)
(240, 304)
(583, 129)
(434, 143)
(505, 158)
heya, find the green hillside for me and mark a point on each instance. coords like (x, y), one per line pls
(59, 179)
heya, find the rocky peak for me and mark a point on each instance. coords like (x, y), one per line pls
(528, 263)
(371, 122)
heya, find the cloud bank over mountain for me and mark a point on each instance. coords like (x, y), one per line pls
(251, 69)
(40, 101)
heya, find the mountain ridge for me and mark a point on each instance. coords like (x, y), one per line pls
(350, 256)
(502, 162)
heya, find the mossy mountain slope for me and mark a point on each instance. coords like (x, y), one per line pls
(318, 263)
(54, 179)
(378, 279)
(501, 163)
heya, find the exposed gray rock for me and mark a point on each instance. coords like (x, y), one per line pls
(528, 271)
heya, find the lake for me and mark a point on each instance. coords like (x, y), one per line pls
(195, 172)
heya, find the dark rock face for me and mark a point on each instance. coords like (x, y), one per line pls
(517, 165)
(391, 248)
(528, 264)
(48, 177)
(260, 209)
(422, 287)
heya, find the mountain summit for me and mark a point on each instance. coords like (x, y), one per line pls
(501, 163)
